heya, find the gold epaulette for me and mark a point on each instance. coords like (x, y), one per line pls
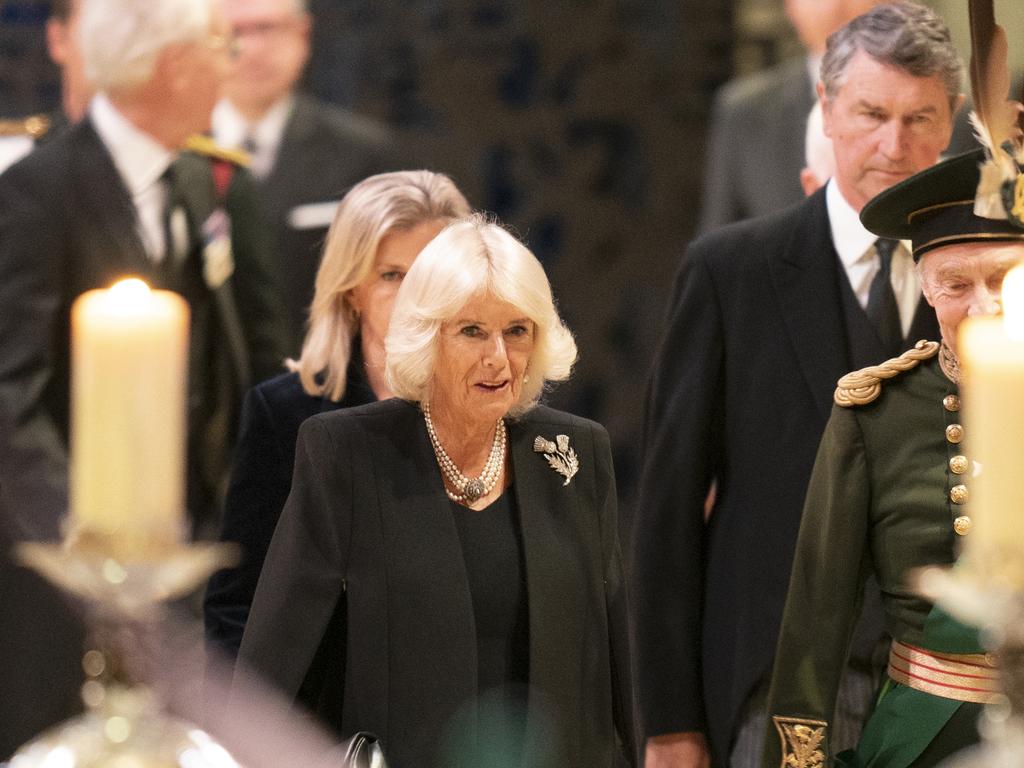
(204, 145)
(864, 386)
(33, 126)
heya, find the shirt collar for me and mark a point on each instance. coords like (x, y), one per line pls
(849, 237)
(139, 158)
(230, 128)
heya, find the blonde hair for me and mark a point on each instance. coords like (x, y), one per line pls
(469, 258)
(373, 208)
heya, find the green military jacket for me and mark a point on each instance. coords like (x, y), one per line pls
(883, 497)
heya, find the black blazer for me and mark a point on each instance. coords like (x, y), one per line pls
(740, 392)
(67, 225)
(368, 521)
(261, 478)
(324, 150)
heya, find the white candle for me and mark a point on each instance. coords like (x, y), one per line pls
(992, 362)
(128, 378)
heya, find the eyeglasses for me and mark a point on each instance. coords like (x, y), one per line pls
(267, 30)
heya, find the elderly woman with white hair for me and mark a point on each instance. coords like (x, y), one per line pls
(456, 548)
(379, 228)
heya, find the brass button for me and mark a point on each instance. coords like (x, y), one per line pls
(958, 464)
(958, 494)
(951, 403)
(954, 433)
(962, 525)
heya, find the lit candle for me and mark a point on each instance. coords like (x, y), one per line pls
(992, 361)
(128, 376)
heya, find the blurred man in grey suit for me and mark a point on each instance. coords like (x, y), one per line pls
(756, 137)
(305, 153)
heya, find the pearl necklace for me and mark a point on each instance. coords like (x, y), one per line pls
(468, 489)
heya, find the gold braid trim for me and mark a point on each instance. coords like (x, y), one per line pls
(802, 741)
(204, 145)
(863, 386)
(34, 126)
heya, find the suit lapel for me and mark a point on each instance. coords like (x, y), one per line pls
(291, 153)
(547, 513)
(805, 278)
(106, 203)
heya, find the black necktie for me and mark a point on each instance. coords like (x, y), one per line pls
(249, 144)
(175, 231)
(882, 309)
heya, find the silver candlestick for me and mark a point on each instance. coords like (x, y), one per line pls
(124, 724)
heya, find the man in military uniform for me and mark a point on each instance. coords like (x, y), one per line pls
(886, 497)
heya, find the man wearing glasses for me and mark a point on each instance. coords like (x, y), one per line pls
(305, 154)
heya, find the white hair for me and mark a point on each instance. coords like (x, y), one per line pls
(373, 208)
(122, 39)
(470, 258)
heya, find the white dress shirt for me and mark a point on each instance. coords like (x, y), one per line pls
(231, 129)
(140, 161)
(13, 148)
(856, 249)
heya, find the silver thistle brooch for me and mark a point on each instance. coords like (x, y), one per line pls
(560, 456)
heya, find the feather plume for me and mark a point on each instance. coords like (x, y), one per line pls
(990, 85)
(995, 117)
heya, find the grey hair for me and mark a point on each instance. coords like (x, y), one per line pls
(473, 257)
(905, 35)
(122, 39)
(375, 207)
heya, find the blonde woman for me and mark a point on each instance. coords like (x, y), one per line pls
(380, 227)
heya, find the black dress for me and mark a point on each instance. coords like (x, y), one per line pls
(493, 555)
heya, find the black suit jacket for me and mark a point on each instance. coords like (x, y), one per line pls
(368, 521)
(261, 477)
(67, 225)
(740, 393)
(323, 152)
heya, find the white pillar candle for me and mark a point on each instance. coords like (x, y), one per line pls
(991, 351)
(128, 379)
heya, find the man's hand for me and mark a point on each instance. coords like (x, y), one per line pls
(677, 750)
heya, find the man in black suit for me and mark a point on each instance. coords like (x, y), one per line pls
(95, 204)
(755, 144)
(305, 153)
(77, 214)
(767, 314)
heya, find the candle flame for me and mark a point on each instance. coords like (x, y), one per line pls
(130, 296)
(1013, 303)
